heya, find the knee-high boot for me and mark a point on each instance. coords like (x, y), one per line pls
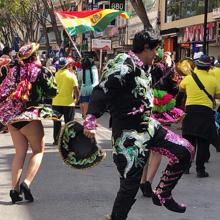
(162, 195)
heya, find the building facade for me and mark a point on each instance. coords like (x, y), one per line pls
(182, 27)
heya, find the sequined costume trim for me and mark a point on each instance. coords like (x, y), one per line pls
(90, 122)
(172, 158)
(174, 138)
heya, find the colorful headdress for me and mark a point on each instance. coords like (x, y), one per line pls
(27, 50)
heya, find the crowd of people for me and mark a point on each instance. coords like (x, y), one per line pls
(144, 95)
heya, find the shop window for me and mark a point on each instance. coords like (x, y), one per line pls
(179, 9)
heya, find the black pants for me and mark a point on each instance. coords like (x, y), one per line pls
(68, 112)
(179, 152)
(202, 154)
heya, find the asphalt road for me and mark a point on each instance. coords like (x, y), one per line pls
(62, 193)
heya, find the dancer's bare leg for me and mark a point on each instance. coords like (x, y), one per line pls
(21, 146)
(153, 165)
(35, 134)
(149, 173)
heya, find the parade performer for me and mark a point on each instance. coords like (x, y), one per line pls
(21, 108)
(125, 90)
(4, 68)
(165, 82)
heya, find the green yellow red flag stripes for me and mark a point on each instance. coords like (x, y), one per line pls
(91, 20)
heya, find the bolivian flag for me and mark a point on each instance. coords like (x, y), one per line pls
(92, 20)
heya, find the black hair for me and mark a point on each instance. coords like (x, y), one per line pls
(87, 63)
(145, 38)
(6, 50)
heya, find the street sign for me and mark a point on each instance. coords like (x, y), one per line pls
(99, 44)
(117, 4)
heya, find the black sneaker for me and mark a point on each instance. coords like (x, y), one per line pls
(202, 174)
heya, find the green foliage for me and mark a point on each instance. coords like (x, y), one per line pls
(18, 7)
(2, 2)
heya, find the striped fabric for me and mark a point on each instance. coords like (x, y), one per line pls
(91, 20)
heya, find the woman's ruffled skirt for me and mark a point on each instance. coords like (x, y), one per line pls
(37, 113)
(14, 111)
(164, 109)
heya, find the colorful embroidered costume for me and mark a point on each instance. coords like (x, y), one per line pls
(165, 83)
(4, 68)
(23, 91)
(125, 90)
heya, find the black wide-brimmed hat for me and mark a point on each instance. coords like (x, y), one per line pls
(77, 150)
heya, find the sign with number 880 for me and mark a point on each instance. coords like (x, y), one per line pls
(117, 6)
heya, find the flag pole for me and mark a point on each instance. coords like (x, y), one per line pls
(100, 64)
(73, 43)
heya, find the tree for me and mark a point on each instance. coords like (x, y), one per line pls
(18, 18)
(49, 6)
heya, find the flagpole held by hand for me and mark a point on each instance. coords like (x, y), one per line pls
(100, 65)
(73, 43)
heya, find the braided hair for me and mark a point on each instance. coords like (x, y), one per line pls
(87, 65)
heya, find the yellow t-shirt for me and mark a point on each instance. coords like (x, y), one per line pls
(216, 73)
(66, 81)
(196, 96)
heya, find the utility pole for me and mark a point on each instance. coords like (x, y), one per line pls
(205, 26)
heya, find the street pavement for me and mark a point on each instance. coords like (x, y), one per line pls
(62, 193)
